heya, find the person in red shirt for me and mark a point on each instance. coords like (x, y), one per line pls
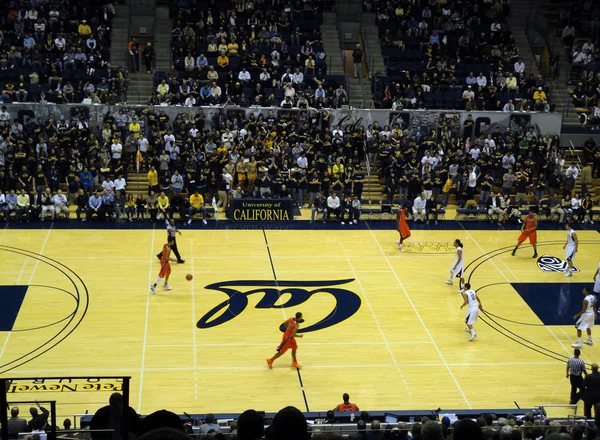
(529, 230)
(346, 406)
(290, 327)
(403, 228)
(165, 267)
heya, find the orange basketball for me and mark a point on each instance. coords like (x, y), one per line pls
(189, 277)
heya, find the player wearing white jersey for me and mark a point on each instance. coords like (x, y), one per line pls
(586, 318)
(458, 267)
(597, 281)
(571, 246)
(471, 300)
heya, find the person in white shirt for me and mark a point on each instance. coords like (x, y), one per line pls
(143, 145)
(4, 116)
(334, 205)
(60, 204)
(176, 182)
(472, 183)
(473, 302)
(481, 80)
(168, 138)
(572, 171)
(108, 184)
(458, 267)
(116, 149)
(120, 183)
(190, 101)
(244, 76)
(475, 152)
(227, 138)
(60, 42)
(297, 77)
(419, 206)
(509, 106)
(302, 161)
(519, 66)
(585, 318)
(571, 247)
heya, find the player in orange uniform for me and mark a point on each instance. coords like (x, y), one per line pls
(165, 267)
(403, 228)
(529, 230)
(289, 340)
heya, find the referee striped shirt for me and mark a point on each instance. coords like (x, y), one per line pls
(576, 366)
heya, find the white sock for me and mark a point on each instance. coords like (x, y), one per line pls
(579, 340)
(157, 282)
(472, 332)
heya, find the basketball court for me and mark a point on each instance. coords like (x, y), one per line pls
(381, 325)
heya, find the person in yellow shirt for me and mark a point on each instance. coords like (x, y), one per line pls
(163, 206)
(196, 206)
(84, 29)
(446, 191)
(338, 169)
(539, 96)
(222, 60)
(134, 128)
(232, 48)
(152, 180)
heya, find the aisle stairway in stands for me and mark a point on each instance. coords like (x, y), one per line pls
(331, 44)
(372, 44)
(162, 39)
(120, 35)
(559, 91)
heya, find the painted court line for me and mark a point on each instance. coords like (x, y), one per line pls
(420, 319)
(145, 341)
(491, 260)
(194, 329)
(37, 262)
(303, 343)
(307, 367)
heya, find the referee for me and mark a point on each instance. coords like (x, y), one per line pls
(172, 232)
(576, 371)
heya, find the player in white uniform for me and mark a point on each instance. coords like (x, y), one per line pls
(472, 300)
(458, 267)
(597, 281)
(585, 318)
(571, 246)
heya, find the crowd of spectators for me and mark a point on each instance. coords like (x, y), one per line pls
(120, 422)
(296, 154)
(53, 51)
(580, 23)
(248, 53)
(459, 55)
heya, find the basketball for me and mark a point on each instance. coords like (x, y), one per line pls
(189, 277)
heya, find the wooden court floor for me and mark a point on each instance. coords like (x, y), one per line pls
(399, 342)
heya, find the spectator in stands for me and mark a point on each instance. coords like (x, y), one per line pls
(419, 207)
(288, 424)
(115, 416)
(334, 206)
(346, 405)
(556, 209)
(16, 424)
(209, 426)
(357, 56)
(250, 426)
(148, 55)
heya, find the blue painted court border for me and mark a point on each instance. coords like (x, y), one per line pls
(303, 225)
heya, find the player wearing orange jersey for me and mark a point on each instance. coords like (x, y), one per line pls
(403, 228)
(165, 267)
(529, 230)
(289, 340)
